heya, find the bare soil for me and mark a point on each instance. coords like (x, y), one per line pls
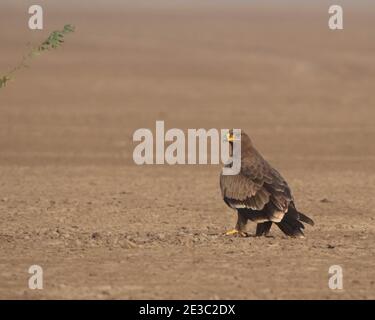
(73, 201)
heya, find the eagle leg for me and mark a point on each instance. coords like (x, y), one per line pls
(263, 229)
(240, 229)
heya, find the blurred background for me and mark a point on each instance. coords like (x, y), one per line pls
(275, 70)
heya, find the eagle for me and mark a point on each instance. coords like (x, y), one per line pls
(259, 193)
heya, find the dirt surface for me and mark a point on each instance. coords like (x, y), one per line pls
(73, 201)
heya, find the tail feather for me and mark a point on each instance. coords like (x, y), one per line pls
(291, 224)
(289, 230)
(306, 219)
(292, 211)
(291, 227)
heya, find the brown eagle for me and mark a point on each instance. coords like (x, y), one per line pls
(260, 194)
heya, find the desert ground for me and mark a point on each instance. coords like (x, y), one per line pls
(73, 201)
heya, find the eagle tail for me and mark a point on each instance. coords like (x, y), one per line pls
(305, 219)
(291, 224)
(292, 211)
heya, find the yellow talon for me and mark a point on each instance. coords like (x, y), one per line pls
(231, 232)
(236, 232)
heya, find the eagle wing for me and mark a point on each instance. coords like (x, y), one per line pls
(255, 186)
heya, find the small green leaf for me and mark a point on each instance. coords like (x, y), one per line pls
(54, 41)
(3, 81)
(68, 28)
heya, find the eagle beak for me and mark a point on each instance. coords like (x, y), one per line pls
(229, 138)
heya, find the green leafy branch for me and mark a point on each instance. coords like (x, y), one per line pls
(54, 40)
